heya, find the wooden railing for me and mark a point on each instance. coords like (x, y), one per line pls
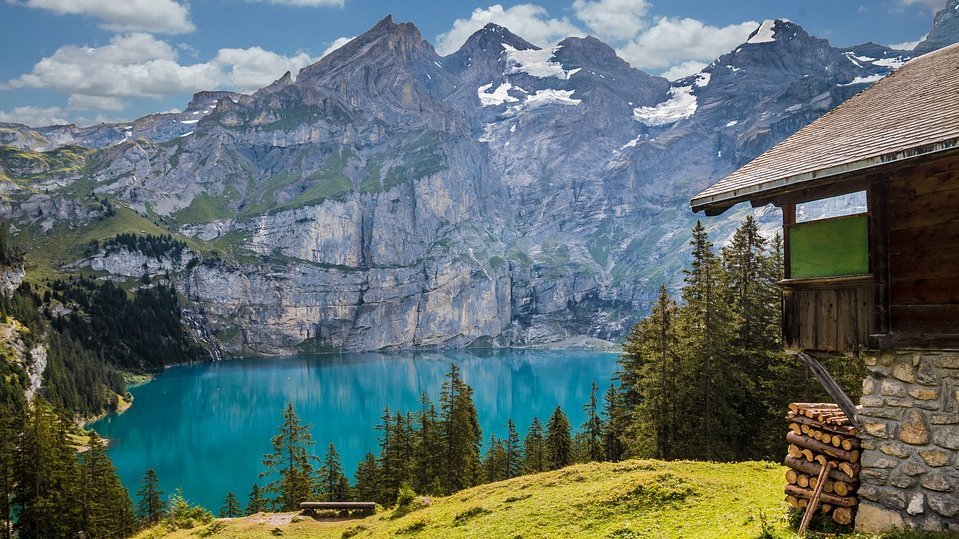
(829, 314)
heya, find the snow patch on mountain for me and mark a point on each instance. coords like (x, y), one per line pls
(765, 33)
(537, 63)
(862, 80)
(891, 63)
(496, 97)
(547, 97)
(680, 105)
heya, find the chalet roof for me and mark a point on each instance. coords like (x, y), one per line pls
(911, 112)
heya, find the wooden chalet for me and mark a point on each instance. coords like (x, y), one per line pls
(881, 285)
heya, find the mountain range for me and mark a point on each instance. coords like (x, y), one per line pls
(389, 197)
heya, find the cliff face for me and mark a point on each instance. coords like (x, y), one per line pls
(388, 197)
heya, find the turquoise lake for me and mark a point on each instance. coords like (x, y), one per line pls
(206, 427)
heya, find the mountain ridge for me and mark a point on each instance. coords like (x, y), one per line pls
(387, 197)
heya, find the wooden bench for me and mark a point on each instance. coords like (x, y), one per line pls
(363, 507)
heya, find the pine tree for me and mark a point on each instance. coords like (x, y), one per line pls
(105, 505)
(255, 503)
(367, 472)
(150, 508)
(650, 368)
(534, 449)
(707, 332)
(331, 475)
(8, 446)
(559, 443)
(614, 422)
(754, 300)
(514, 455)
(593, 427)
(46, 473)
(495, 462)
(387, 483)
(428, 450)
(461, 433)
(291, 463)
(230, 507)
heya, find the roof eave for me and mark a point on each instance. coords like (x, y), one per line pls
(720, 202)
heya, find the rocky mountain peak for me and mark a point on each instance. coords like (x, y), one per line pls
(492, 38)
(203, 101)
(773, 30)
(588, 51)
(945, 29)
(385, 44)
(275, 86)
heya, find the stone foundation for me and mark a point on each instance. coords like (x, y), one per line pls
(910, 438)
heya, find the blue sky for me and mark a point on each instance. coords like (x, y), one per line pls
(86, 61)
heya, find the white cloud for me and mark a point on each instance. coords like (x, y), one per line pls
(337, 43)
(529, 21)
(246, 70)
(613, 19)
(34, 116)
(162, 16)
(139, 65)
(93, 102)
(307, 3)
(673, 41)
(907, 45)
(683, 69)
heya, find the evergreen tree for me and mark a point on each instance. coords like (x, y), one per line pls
(428, 450)
(387, 478)
(331, 477)
(8, 436)
(706, 333)
(105, 505)
(461, 433)
(593, 427)
(614, 423)
(290, 463)
(534, 449)
(514, 456)
(230, 507)
(559, 443)
(46, 473)
(651, 366)
(150, 508)
(754, 300)
(367, 472)
(495, 462)
(256, 503)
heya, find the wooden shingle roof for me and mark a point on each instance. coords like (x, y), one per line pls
(912, 112)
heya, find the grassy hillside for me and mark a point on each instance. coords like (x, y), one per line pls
(639, 498)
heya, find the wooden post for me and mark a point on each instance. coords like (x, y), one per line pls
(814, 501)
(789, 219)
(879, 254)
(829, 384)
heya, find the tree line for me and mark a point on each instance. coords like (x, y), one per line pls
(153, 246)
(436, 450)
(705, 376)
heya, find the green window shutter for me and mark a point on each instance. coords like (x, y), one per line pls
(829, 247)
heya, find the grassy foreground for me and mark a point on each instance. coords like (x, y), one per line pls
(638, 498)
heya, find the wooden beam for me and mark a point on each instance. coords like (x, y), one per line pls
(879, 254)
(789, 219)
(832, 388)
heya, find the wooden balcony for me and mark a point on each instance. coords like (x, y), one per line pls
(828, 314)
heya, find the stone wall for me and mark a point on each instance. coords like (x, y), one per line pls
(910, 420)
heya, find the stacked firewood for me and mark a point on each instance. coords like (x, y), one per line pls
(821, 436)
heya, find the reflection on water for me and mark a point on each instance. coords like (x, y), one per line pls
(206, 427)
